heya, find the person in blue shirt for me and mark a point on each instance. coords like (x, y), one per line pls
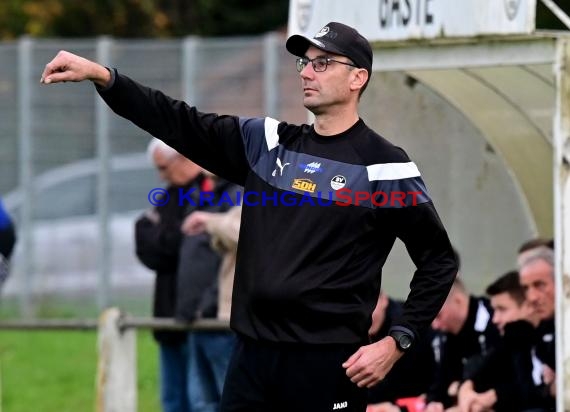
(7, 242)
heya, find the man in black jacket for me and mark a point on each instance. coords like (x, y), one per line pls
(537, 278)
(466, 334)
(505, 381)
(158, 238)
(308, 274)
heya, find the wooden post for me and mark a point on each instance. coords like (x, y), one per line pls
(117, 366)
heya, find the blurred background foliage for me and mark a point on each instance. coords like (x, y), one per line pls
(139, 18)
(161, 18)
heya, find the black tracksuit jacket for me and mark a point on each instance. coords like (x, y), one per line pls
(307, 272)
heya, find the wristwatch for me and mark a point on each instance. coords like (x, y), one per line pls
(403, 340)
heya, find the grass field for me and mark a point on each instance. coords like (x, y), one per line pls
(55, 371)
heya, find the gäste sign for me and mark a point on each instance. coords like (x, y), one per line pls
(415, 19)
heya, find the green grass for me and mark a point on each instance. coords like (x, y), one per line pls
(55, 371)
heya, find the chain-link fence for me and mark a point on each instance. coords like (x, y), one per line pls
(75, 176)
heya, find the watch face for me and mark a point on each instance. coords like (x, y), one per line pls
(405, 342)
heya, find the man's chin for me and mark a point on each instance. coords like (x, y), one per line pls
(312, 107)
(543, 315)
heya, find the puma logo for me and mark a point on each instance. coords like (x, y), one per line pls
(280, 167)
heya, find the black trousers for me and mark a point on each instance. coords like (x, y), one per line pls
(277, 377)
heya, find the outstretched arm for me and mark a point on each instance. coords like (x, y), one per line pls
(68, 67)
(215, 142)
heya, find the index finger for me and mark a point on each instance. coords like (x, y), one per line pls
(353, 358)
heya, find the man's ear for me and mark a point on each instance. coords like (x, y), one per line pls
(359, 79)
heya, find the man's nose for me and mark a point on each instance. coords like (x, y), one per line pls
(436, 324)
(307, 71)
(532, 296)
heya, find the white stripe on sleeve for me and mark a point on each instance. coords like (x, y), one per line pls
(392, 171)
(271, 135)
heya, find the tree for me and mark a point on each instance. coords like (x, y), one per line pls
(139, 18)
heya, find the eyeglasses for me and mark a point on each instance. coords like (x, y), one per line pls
(320, 63)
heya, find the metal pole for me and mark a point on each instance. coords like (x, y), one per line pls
(124, 322)
(189, 74)
(26, 173)
(271, 83)
(172, 324)
(49, 324)
(561, 142)
(103, 182)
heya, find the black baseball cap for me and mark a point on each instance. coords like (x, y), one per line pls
(335, 38)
